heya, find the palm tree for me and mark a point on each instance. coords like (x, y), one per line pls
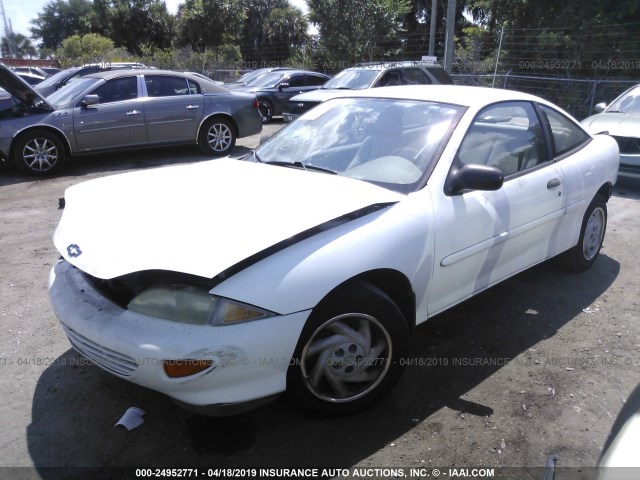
(23, 45)
(285, 30)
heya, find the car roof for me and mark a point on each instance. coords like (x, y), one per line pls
(474, 97)
(291, 71)
(211, 86)
(402, 64)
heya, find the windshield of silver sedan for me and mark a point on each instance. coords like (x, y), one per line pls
(393, 143)
(61, 98)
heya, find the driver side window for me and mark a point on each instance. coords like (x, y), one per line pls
(118, 90)
(506, 135)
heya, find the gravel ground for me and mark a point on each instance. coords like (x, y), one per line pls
(539, 365)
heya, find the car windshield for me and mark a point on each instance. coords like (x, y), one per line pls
(389, 142)
(353, 79)
(268, 80)
(61, 98)
(249, 76)
(53, 79)
(628, 102)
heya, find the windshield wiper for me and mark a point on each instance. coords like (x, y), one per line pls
(281, 163)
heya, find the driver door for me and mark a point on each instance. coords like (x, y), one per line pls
(483, 237)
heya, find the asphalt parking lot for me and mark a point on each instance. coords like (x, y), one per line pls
(538, 366)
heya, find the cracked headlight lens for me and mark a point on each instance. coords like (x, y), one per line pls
(195, 306)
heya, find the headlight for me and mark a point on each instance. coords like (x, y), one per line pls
(195, 306)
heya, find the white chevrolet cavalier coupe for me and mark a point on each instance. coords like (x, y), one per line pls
(307, 266)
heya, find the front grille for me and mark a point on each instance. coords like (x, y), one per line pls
(628, 145)
(108, 359)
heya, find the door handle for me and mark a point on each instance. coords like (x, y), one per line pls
(553, 183)
(133, 112)
(192, 107)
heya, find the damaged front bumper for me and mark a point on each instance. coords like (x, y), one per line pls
(248, 362)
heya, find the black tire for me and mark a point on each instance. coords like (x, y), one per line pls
(217, 137)
(39, 153)
(362, 361)
(266, 110)
(594, 225)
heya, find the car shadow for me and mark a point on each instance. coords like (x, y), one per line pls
(76, 405)
(116, 162)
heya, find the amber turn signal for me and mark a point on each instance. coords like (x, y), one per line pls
(185, 368)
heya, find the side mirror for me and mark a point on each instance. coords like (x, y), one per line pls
(90, 100)
(283, 85)
(599, 107)
(473, 177)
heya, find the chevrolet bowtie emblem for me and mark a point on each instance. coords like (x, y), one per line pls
(74, 250)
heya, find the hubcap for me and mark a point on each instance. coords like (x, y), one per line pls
(219, 137)
(40, 154)
(593, 234)
(346, 357)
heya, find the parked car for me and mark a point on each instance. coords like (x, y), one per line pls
(120, 109)
(33, 70)
(50, 70)
(64, 77)
(274, 89)
(368, 75)
(30, 78)
(252, 75)
(621, 120)
(306, 267)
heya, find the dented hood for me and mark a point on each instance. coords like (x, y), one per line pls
(199, 219)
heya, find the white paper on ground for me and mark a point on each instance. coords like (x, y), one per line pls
(132, 418)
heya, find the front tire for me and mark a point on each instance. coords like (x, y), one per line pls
(350, 351)
(217, 137)
(39, 153)
(594, 225)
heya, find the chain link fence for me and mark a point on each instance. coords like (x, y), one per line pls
(576, 96)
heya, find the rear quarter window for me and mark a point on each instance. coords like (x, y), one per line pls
(566, 134)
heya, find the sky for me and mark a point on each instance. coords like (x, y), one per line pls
(21, 12)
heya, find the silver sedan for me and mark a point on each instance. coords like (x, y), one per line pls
(118, 110)
(621, 120)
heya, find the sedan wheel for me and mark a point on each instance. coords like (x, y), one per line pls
(349, 352)
(217, 137)
(39, 153)
(594, 225)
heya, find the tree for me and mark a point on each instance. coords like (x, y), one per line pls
(80, 49)
(359, 29)
(569, 37)
(285, 30)
(137, 23)
(253, 40)
(209, 23)
(61, 19)
(25, 48)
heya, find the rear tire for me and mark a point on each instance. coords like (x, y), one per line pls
(217, 137)
(39, 153)
(594, 225)
(349, 353)
(266, 110)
